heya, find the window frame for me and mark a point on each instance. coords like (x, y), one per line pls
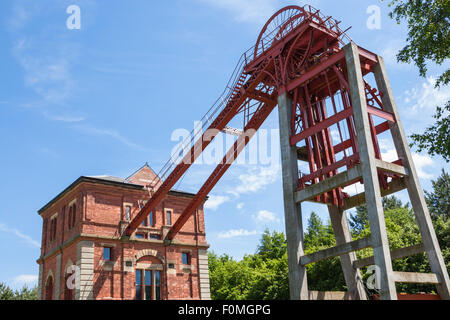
(188, 258)
(110, 253)
(150, 286)
(138, 284)
(152, 220)
(53, 226)
(155, 284)
(127, 214)
(169, 217)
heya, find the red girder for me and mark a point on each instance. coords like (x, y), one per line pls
(298, 51)
(218, 124)
(251, 128)
(261, 68)
(321, 126)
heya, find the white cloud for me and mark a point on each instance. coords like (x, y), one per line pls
(19, 234)
(390, 51)
(26, 279)
(240, 205)
(47, 74)
(237, 233)
(63, 118)
(214, 202)
(421, 162)
(265, 216)
(256, 179)
(388, 153)
(354, 189)
(426, 97)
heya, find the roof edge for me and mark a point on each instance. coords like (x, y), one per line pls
(106, 182)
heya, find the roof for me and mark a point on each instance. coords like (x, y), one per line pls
(109, 180)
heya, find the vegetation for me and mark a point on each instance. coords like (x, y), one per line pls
(428, 41)
(6, 293)
(264, 275)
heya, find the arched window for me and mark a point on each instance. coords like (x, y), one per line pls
(74, 214)
(49, 289)
(68, 292)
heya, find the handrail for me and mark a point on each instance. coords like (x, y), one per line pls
(233, 86)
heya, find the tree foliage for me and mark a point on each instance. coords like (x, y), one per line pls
(428, 41)
(438, 201)
(6, 293)
(428, 33)
(436, 138)
(264, 275)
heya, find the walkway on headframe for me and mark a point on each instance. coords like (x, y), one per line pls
(295, 34)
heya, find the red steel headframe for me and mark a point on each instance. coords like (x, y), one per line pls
(299, 51)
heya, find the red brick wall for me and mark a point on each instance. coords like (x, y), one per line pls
(100, 212)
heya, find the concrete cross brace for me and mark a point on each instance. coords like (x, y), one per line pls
(395, 254)
(339, 250)
(413, 277)
(360, 199)
(329, 184)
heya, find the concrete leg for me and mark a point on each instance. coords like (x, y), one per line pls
(342, 234)
(298, 285)
(371, 185)
(416, 196)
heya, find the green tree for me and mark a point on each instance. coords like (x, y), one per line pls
(359, 220)
(264, 275)
(324, 275)
(272, 246)
(438, 200)
(317, 233)
(6, 293)
(428, 40)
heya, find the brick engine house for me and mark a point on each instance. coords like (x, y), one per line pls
(84, 256)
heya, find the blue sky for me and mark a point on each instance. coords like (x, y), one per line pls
(105, 99)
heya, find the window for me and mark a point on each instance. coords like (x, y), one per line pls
(157, 285)
(72, 216)
(63, 217)
(107, 254)
(151, 219)
(148, 285)
(141, 236)
(68, 293)
(138, 284)
(185, 258)
(155, 237)
(168, 217)
(49, 289)
(69, 220)
(53, 229)
(144, 222)
(128, 213)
